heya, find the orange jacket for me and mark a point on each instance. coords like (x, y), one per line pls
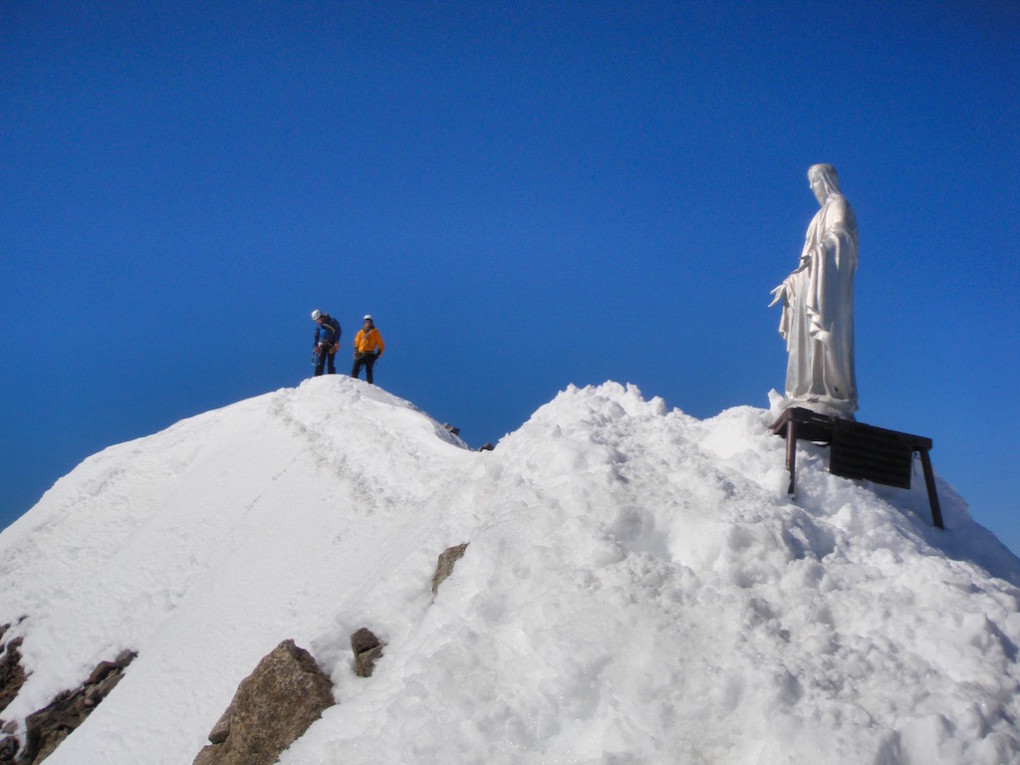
(367, 342)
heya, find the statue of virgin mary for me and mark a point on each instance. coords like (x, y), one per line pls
(818, 306)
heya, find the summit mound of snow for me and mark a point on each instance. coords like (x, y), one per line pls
(637, 588)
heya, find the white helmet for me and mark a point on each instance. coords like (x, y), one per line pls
(316, 314)
(368, 317)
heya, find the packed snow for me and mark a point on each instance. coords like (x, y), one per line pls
(638, 588)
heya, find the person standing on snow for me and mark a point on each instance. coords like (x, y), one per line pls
(327, 341)
(368, 347)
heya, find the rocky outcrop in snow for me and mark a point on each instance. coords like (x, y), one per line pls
(367, 648)
(444, 566)
(47, 728)
(273, 706)
(12, 676)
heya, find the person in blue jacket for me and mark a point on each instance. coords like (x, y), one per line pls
(327, 341)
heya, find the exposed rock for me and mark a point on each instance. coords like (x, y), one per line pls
(444, 567)
(367, 648)
(12, 676)
(220, 730)
(272, 708)
(486, 447)
(8, 749)
(47, 728)
(450, 428)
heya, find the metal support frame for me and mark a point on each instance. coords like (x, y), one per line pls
(863, 451)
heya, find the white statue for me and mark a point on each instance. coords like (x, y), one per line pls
(818, 306)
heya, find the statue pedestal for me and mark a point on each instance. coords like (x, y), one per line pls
(857, 450)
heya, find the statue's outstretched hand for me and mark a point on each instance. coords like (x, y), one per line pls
(778, 294)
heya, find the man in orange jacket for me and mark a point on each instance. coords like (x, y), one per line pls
(368, 347)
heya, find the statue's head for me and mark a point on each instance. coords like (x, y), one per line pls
(823, 180)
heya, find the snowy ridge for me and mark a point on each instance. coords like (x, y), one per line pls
(638, 588)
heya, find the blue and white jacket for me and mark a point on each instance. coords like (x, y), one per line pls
(328, 332)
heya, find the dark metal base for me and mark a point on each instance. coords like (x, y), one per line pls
(857, 450)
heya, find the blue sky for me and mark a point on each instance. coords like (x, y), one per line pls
(525, 195)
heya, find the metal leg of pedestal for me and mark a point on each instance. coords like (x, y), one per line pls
(791, 453)
(929, 484)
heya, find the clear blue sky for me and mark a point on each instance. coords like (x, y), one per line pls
(525, 195)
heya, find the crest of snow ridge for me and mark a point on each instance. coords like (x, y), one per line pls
(637, 582)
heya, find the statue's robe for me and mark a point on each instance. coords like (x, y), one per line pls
(818, 314)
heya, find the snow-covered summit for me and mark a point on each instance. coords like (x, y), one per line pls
(638, 588)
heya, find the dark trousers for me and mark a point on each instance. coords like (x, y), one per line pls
(366, 360)
(320, 361)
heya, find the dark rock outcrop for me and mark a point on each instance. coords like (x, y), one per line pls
(47, 728)
(272, 708)
(12, 676)
(444, 567)
(367, 648)
(8, 749)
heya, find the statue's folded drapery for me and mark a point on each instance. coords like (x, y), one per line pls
(818, 317)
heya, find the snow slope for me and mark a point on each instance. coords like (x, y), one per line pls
(638, 589)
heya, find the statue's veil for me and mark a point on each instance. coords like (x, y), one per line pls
(828, 175)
